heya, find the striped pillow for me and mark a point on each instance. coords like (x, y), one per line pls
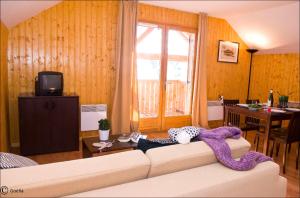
(9, 160)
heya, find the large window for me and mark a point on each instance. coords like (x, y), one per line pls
(165, 61)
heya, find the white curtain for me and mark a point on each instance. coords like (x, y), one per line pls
(199, 104)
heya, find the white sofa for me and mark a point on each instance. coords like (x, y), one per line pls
(173, 171)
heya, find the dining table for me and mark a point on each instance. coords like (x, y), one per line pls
(262, 114)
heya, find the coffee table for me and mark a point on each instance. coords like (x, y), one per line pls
(88, 150)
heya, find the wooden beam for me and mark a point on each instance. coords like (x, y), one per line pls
(142, 36)
(178, 58)
(183, 34)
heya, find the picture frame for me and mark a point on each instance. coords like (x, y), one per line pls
(228, 52)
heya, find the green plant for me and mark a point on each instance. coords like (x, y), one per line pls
(257, 106)
(104, 124)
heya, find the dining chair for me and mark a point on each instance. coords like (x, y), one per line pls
(288, 135)
(232, 119)
(261, 132)
(250, 122)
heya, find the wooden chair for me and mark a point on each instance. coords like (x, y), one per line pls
(253, 124)
(261, 132)
(250, 122)
(233, 119)
(287, 136)
(260, 128)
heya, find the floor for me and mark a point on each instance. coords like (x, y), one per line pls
(292, 174)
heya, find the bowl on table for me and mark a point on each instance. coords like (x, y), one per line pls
(254, 107)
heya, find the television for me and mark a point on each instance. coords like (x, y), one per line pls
(49, 83)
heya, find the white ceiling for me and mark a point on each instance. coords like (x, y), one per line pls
(271, 26)
(14, 12)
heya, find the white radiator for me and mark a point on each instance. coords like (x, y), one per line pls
(215, 110)
(91, 114)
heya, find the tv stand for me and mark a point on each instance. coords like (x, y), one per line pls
(48, 124)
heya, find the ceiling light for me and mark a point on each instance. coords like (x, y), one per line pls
(256, 40)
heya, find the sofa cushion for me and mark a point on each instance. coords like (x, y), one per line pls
(10, 160)
(212, 180)
(181, 157)
(69, 177)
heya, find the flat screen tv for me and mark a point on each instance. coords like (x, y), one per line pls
(49, 83)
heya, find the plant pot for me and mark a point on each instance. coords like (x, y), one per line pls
(283, 101)
(103, 135)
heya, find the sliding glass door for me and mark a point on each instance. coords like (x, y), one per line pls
(178, 81)
(165, 62)
(149, 64)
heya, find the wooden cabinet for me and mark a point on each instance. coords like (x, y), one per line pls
(48, 124)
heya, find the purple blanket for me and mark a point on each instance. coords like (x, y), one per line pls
(215, 139)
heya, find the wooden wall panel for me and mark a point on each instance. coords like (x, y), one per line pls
(149, 13)
(4, 129)
(279, 72)
(74, 37)
(227, 79)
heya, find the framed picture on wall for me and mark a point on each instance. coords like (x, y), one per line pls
(228, 52)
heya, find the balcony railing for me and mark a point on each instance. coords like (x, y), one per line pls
(177, 98)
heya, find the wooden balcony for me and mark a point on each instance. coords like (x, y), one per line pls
(177, 98)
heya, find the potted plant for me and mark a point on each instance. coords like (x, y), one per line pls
(283, 100)
(104, 126)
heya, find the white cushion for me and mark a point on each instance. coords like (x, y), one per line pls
(213, 180)
(179, 157)
(69, 177)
